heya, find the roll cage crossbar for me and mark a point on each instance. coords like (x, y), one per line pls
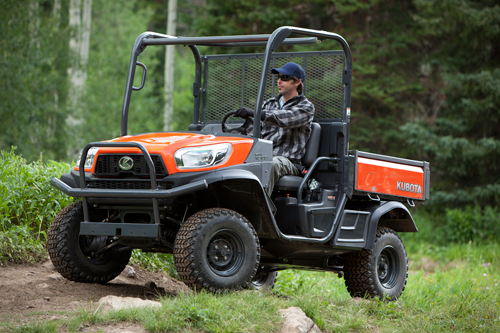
(272, 41)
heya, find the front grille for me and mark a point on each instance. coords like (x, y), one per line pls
(127, 185)
(107, 165)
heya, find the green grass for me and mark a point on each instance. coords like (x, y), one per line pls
(462, 294)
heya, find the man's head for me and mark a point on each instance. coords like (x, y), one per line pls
(290, 78)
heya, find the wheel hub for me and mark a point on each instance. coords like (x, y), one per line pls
(225, 252)
(388, 267)
(220, 252)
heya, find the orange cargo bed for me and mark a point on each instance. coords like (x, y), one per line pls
(388, 177)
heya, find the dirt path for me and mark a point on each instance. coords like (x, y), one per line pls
(38, 292)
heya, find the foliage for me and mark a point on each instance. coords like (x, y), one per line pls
(462, 141)
(20, 244)
(456, 225)
(33, 66)
(28, 203)
(155, 262)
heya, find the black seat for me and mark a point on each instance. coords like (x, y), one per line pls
(287, 183)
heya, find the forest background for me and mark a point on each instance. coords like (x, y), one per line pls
(426, 83)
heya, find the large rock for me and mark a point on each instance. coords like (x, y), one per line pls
(296, 321)
(118, 303)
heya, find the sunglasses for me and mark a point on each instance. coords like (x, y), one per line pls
(286, 77)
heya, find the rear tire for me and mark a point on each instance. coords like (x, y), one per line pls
(265, 281)
(217, 249)
(71, 253)
(380, 272)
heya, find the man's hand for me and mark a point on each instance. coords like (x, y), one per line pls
(244, 113)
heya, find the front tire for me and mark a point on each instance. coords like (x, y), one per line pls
(380, 272)
(72, 255)
(217, 249)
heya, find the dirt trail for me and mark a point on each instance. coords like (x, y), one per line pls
(38, 292)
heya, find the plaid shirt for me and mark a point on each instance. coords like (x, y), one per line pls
(288, 128)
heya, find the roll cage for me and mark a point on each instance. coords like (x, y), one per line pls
(272, 41)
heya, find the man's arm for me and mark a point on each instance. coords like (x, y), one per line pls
(297, 115)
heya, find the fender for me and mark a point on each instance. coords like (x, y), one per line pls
(242, 191)
(399, 219)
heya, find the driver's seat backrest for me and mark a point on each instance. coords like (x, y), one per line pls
(312, 145)
(292, 183)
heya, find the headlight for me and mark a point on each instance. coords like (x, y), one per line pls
(90, 158)
(202, 157)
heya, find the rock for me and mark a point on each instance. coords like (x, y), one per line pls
(118, 280)
(130, 272)
(118, 303)
(56, 276)
(30, 274)
(49, 265)
(43, 286)
(47, 298)
(296, 321)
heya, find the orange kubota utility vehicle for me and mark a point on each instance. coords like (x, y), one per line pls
(200, 194)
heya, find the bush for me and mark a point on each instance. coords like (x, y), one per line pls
(28, 203)
(457, 225)
(472, 223)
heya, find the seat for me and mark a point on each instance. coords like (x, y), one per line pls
(292, 183)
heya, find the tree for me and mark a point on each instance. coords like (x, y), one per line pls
(33, 67)
(463, 139)
(169, 67)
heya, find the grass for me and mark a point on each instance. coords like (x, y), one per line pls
(462, 294)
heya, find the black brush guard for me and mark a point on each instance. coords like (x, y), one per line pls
(88, 227)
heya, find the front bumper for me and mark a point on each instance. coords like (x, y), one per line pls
(117, 193)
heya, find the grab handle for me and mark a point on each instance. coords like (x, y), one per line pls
(143, 76)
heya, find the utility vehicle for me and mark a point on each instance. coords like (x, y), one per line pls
(200, 194)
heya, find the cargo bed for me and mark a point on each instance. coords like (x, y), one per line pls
(385, 177)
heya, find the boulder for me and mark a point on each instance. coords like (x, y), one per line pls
(296, 321)
(118, 303)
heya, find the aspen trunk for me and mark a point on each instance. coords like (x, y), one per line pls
(169, 67)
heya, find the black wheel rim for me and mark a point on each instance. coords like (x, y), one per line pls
(225, 252)
(388, 267)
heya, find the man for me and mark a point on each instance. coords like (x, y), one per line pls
(286, 121)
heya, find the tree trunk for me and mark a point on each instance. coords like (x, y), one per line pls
(169, 67)
(79, 49)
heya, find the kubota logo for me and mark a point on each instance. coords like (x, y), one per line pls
(126, 163)
(407, 187)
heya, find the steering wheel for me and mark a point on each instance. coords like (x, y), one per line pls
(236, 130)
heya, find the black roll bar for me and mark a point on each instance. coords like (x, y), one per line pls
(138, 48)
(277, 37)
(152, 38)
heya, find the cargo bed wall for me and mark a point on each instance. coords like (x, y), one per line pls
(388, 177)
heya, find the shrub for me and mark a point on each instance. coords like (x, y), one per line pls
(456, 225)
(28, 203)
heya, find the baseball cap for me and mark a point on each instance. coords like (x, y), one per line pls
(290, 68)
